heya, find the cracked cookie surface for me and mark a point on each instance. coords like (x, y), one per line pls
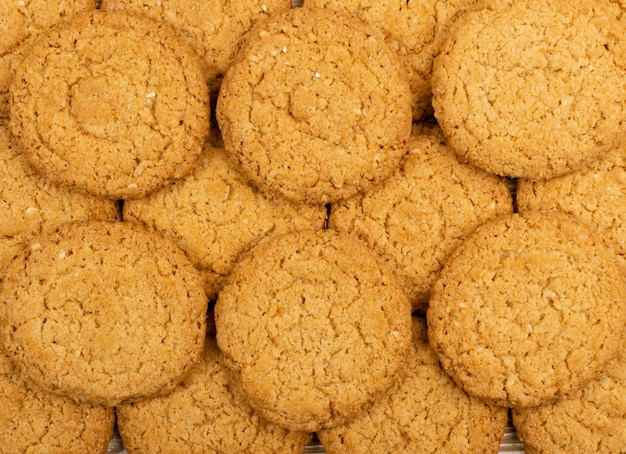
(316, 107)
(315, 328)
(103, 312)
(527, 309)
(111, 103)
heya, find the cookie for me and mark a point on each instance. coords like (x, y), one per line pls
(110, 103)
(316, 106)
(424, 412)
(314, 327)
(204, 413)
(596, 196)
(21, 22)
(527, 309)
(516, 89)
(415, 31)
(214, 29)
(103, 312)
(214, 216)
(592, 420)
(416, 217)
(35, 421)
(30, 204)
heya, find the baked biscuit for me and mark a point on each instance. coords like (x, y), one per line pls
(103, 312)
(416, 217)
(527, 309)
(425, 412)
(214, 216)
(204, 413)
(315, 328)
(316, 106)
(534, 89)
(110, 103)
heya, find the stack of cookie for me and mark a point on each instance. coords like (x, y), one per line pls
(339, 252)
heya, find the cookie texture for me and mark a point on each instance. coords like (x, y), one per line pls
(527, 309)
(597, 196)
(214, 215)
(516, 89)
(103, 312)
(592, 420)
(425, 412)
(316, 106)
(214, 29)
(415, 30)
(111, 103)
(30, 204)
(204, 413)
(315, 328)
(34, 421)
(416, 217)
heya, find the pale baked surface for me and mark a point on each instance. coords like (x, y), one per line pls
(316, 106)
(30, 204)
(36, 422)
(592, 420)
(534, 89)
(416, 217)
(527, 309)
(415, 31)
(315, 328)
(214, 29)
(425, 412)
(214, 215)
(204, 413)
(21, 22)
(110, 103)
(596, 196)
(103, 312)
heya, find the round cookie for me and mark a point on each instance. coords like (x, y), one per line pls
(21, 22)
(103, 312)
(315, 328)
(30, 204)
(214, 216)
(214, 29)
(534, 89)
(597, 196)
(110, 103)
(316, 106)
(527, 309)
(204, 413)
(415, 31)
(425, 412)
(592, 420)
(416, 217)
(37, 422)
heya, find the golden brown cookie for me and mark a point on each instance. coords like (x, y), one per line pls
(415, 31)
(110, 103)
(423, 211)
(425, 412)
(527, 309)
(596, 196)
(37, 422)
(316, 106)
(103, 312)
(315, 328)
(214, 29)
(30, 204)
(214, 215)
(204, 413)
(21, 22)
(534, 89)
(591, 421)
